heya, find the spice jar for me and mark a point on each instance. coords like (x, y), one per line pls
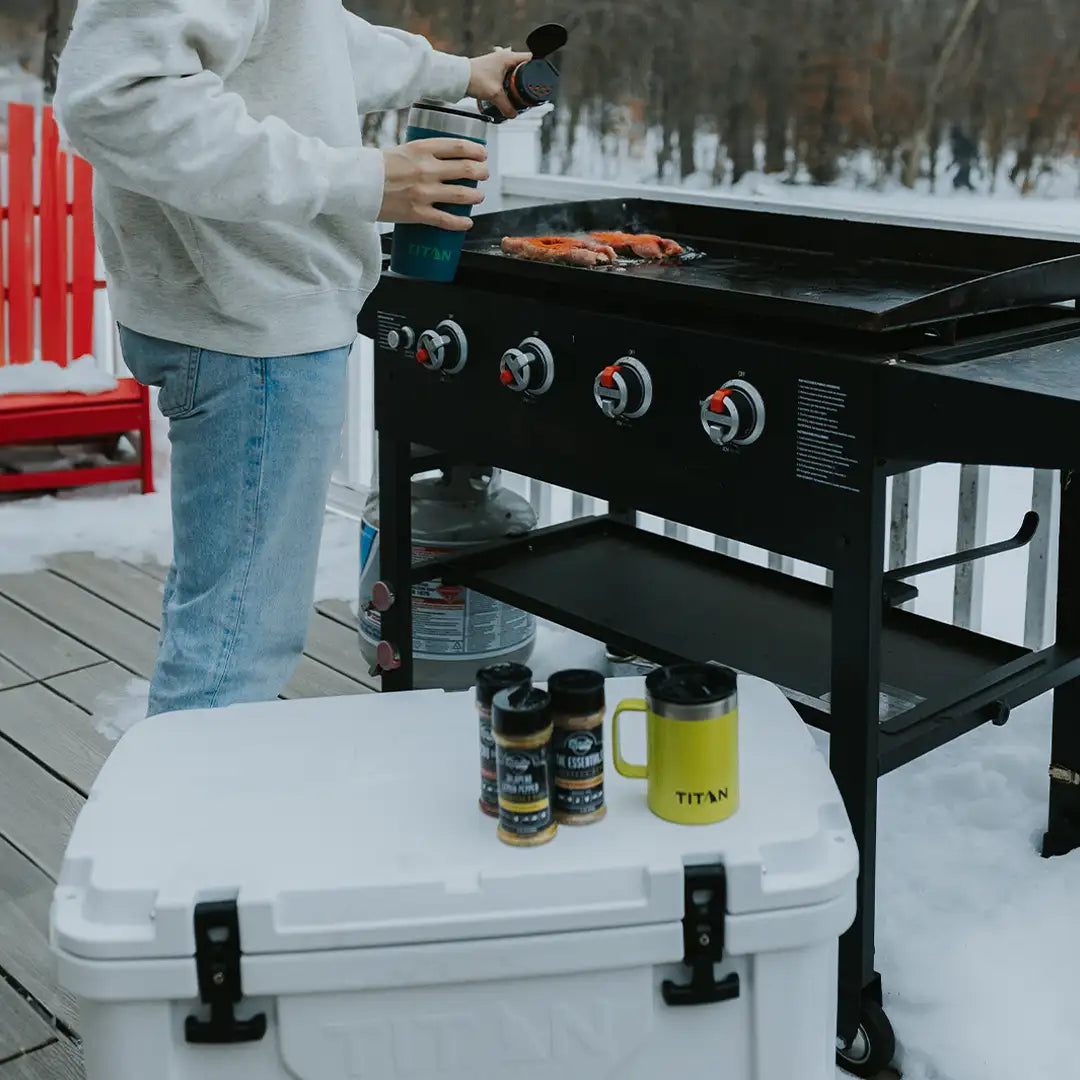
(521, 724)
(489, 681)
(577, 714)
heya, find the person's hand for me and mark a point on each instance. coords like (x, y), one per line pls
(489, 75)
(418, 177)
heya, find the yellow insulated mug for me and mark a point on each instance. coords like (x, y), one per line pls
(692, 721)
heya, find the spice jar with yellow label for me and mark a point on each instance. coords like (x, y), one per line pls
(521, 724)
(577, 714)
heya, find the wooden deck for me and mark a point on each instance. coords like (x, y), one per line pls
(72, 638)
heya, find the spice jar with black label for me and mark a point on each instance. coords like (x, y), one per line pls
(577, 714)
(489, 681)
(522, 727)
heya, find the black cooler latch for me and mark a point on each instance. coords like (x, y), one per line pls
(703, 940)
(217, 962)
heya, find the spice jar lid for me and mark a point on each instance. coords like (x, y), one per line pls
(521, 710)
(577, 692)
(496, 677)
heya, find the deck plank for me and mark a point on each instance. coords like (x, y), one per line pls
(22, 1030)
(314, 680)
(38, 648)
(25, 896)
(56, 732)
(339, 611)
(337, 647)
(114, 633)
(116, 582)
(10, 674)
(91, 688)
(60, 1061)
(331, 665)
(37, 811)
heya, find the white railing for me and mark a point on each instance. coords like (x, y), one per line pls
(932, 510)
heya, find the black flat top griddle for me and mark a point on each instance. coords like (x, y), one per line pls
(855, 275)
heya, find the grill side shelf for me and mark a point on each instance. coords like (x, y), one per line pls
(671, 601)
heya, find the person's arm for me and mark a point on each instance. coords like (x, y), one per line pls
(392, 68)
(141, 97)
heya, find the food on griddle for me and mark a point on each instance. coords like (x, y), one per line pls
(643, 245)
(559, 249)
(596, 249)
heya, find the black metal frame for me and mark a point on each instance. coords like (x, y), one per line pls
(950, 389)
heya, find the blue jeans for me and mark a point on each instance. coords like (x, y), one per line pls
(254, 442)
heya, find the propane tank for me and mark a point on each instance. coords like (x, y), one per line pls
(456, 631)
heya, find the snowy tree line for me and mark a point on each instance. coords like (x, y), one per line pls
(796, 87)
(791, 87)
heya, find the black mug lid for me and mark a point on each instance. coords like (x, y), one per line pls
(692, 684)
(577, 691)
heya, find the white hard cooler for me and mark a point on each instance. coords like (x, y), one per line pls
(385, 932)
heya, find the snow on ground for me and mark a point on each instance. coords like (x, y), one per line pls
(82, 376)
(977, 936)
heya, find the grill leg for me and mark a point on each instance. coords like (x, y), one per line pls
(395, 554)
(1063, 829)
(856, 655)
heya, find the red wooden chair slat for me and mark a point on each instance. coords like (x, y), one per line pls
(54, 218)
(28, 418)
(82, 260)
(3, 293)
(21, 232)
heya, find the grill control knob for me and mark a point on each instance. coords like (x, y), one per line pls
(530, 368)
(401, 337)
(624, 389)
(443, 349)
(734, 415)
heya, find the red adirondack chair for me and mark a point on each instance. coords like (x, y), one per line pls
(66, 313)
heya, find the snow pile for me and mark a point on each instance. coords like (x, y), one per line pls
(136, 528)
(118, 712)
(977, 935)
(82, 376)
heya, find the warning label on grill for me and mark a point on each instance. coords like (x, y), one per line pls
(822, 445)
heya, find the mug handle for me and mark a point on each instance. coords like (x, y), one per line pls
(622, 766)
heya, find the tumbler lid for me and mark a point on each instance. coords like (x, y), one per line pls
(692, 691)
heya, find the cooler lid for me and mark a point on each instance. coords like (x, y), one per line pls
(353, 821)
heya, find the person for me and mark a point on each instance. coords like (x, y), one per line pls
(236, 210)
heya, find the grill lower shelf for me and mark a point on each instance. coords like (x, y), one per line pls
(671, 601)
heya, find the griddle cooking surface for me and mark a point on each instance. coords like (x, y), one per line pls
(831, 272)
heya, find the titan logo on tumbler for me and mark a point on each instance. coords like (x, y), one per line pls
(430, 252)
(696, 798)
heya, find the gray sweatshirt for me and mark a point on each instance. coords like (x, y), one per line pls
(235, 204)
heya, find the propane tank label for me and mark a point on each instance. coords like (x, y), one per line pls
(449, 622)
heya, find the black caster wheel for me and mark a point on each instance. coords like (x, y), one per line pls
(873, 1047)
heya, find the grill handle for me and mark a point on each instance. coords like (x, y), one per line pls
(1026, 533)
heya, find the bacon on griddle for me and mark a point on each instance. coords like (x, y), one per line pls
(559, 249)
(643, 245)
(596, 249)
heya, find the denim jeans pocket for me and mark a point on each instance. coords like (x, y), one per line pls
(171, 367)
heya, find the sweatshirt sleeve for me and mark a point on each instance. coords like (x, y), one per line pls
(141, 97)
(392, 68)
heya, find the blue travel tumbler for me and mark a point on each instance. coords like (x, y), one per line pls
(426, 251)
